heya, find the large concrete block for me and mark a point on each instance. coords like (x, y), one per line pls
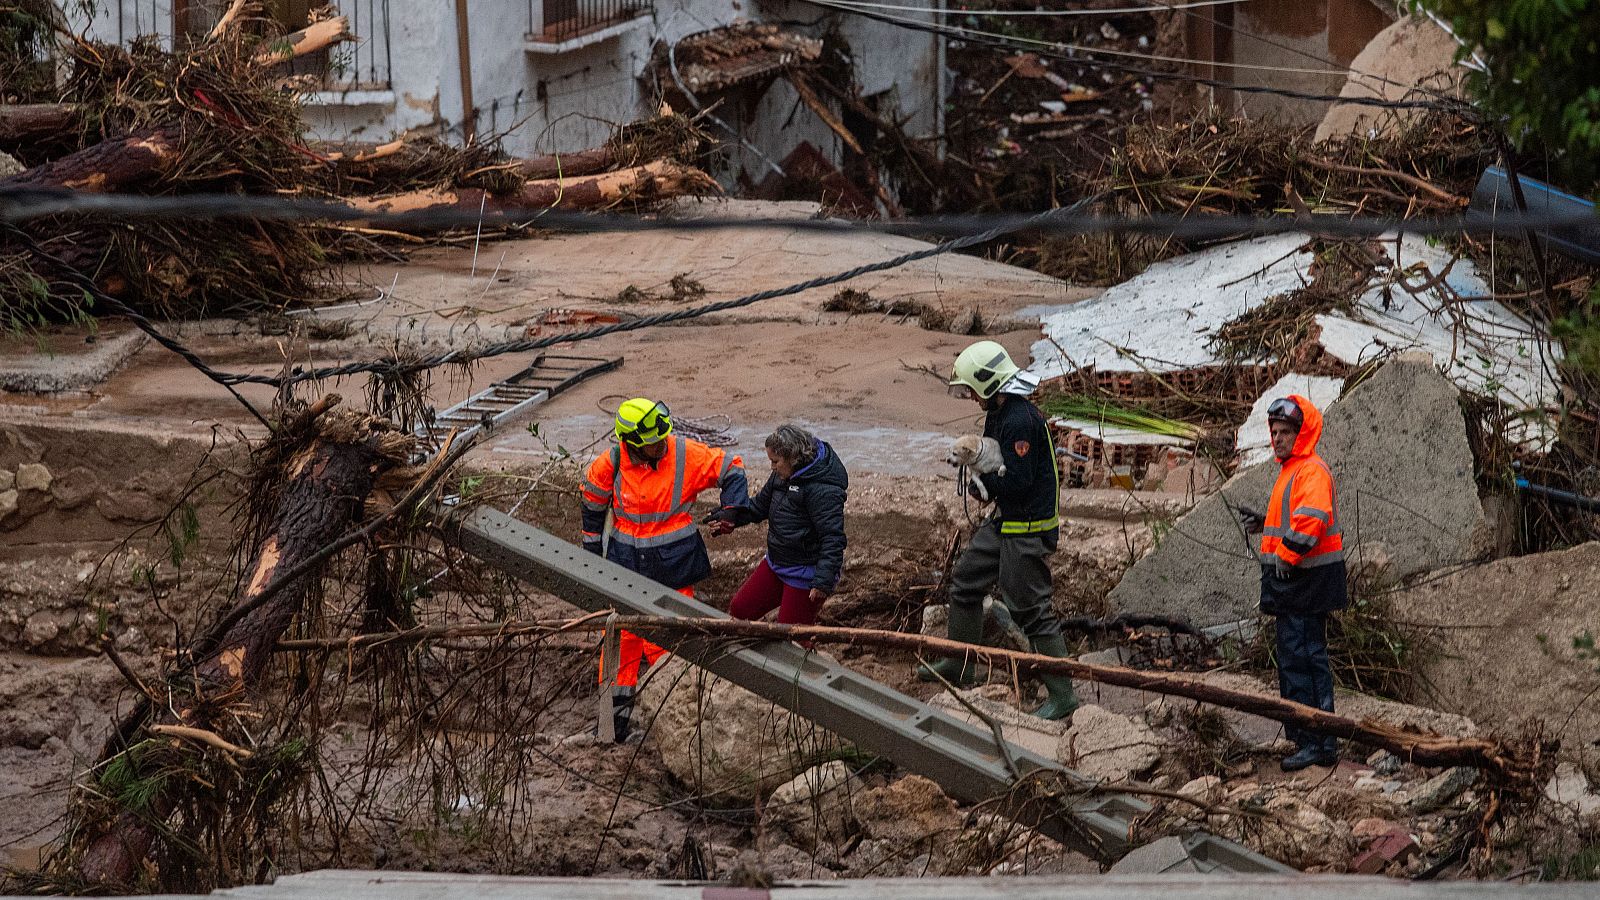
(1503, 636)
(1397, 445)
(1410, 54)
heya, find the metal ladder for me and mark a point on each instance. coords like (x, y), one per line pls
(502, 401)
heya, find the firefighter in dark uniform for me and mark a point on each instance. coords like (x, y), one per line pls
(1012, 547)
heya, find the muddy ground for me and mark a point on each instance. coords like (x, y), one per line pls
(124, 452)
(120, 454)
(600, 809)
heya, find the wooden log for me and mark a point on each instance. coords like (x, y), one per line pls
(106, 166)
(227, 19)
(396, 160)
(27, 122)
(329, 482)
(352, 153)
(656, 180)
(310, 39)
(566, 165)
(1507, 762)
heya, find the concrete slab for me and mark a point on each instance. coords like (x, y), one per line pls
(69, 361)
(1397, 445)
(1167, 856)
(1165, 318)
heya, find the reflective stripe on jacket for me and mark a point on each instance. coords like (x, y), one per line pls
(1302, 529)
(653, 531)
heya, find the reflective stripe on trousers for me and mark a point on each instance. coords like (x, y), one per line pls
(634, 653)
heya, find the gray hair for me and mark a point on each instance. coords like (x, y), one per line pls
(794, 444)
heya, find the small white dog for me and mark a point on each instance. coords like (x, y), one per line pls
(978, 456)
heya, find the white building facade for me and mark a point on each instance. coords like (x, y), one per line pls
(557, 75)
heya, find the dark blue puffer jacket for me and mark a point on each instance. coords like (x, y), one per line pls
(805, 517)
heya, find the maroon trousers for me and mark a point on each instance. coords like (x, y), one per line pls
(764, 592)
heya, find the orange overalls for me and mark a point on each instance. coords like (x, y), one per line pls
(652, 530)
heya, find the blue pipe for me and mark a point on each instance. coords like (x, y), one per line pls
(1556, 495)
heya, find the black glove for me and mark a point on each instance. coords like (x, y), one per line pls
(595, 546)
(1254, 522)
(725, 514)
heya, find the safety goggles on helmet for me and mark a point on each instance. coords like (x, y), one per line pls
(982, 368)
(1285, 410)
(641, 422)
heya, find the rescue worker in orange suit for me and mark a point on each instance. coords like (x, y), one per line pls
(1302, 569)
(645, 486)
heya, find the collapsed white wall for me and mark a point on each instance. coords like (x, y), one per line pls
(1164, 319)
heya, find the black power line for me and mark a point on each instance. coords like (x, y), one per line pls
(966, 232)
(18, 206)
(395, 366)
(1461, 108)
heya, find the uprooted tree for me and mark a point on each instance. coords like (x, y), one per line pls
(326, 469)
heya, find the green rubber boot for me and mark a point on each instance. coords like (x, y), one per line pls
(1063, 699)
(966, 626)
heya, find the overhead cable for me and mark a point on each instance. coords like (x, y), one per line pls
(1055, 50)
(18, 206)
(1052, 13)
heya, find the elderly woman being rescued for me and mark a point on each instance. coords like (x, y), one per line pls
(803, 505)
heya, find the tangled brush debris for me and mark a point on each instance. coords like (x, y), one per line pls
(1283, 326)
(219, 116)
(1220, 165)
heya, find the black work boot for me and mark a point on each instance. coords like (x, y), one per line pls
(1310, 755)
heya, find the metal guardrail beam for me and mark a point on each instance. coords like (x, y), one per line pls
(966, 760)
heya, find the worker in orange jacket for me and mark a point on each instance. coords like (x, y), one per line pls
(1302, 569)
(645, 486)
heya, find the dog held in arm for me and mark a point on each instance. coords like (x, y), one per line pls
(977, 456)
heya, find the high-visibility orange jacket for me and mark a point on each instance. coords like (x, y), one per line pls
(653, 532)
(1302, 529)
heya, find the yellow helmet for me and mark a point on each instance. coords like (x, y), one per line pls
(983, 367)
(641, 422)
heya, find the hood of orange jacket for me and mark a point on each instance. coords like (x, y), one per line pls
(1305, 443)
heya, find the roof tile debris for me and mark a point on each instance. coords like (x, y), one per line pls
(726, 57)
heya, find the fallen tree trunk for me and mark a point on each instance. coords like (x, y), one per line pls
(566, 165)
(329, 480)
(398, 159)
(652, 181)
(106, 166)
(310, 39)
(1510, 763)
(31, 121)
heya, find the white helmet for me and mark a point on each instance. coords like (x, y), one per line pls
(984, 367)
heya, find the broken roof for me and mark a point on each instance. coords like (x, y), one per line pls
(732, 55)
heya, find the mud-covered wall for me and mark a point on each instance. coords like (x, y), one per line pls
(65, 482)
(1304, 46)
